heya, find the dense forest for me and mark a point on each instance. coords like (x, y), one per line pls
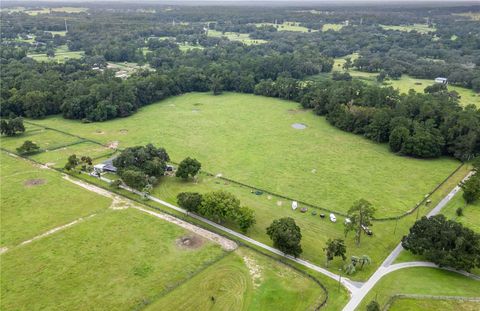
(277, 63)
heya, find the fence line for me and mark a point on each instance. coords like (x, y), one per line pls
(187, 219)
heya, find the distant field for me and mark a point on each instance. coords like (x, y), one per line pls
(471, 15)
(421, 28)
(243, 280)
(407, 304)
(288, 26)
(404, 84)
(62, 54)
(316, 165)
(116, 260)
(60, 33)
(234, 36)
(421, 281)
(34, 200)
(334, 27)
(36, 11)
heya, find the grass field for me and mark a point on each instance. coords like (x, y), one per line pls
(243, 280)
(407, 304)
(421, 28)
(29, 209)
(235, 36)
(333, 184)
(334, 27)
(45, 139)
(60, 33)
(421, 281)
(405, 83)
(287, 26)
(471, 212)
(315, 165)
(62, 54)
(115, 260)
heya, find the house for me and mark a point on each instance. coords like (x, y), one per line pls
(105, 167)
(441, 80)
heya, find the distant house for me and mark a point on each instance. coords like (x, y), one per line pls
(441, 80)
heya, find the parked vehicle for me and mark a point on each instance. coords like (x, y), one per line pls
(333, 218)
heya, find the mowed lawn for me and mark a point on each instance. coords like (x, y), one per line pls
(244, 280)
(421, 281)
(408, 304)
(250, 139)
(34, 200)
(116, 260)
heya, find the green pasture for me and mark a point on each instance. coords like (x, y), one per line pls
(320, 165)
(62, 54)
(407, 304)
(421, 28)
(244, 280)
(471, 212)
(44, 138)
(287, 26)
(235, 36)
(60, 33)
(34, 200)
(115, 260)
(334, 27)
(421, 281)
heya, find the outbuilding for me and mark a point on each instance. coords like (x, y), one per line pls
(441, 80)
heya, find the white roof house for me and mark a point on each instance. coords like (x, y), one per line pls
(441, 80)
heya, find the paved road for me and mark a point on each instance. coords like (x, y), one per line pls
(387, 267)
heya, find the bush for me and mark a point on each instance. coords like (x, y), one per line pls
(459, 211)
(190, 201)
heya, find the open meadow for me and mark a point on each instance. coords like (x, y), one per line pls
(287, 26)
(320, 164)
(62, 54)
(235, 36)
(422, 281)
(281, 160)
(34, 200)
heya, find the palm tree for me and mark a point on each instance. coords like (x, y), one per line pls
(350, 269)
(364, 260)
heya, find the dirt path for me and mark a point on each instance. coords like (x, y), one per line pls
(225, 243)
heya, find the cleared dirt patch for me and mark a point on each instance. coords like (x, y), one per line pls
(190, 242)
(112, 144)
(34, 182)
(123, 131)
